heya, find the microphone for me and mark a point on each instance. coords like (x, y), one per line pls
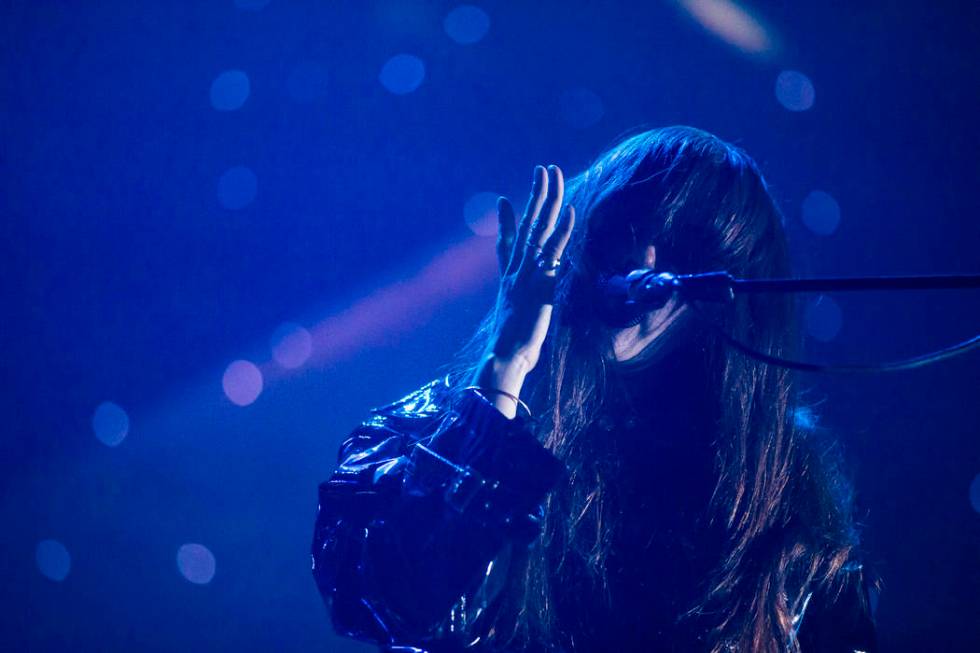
(625, 298)
(628, 297)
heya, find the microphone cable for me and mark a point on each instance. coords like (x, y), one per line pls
(805, 366)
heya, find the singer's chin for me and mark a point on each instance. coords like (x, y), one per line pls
(653, 337)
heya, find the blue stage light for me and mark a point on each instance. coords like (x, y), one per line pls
(820, 213)
(242, 382)
(402, 74)
(110, 423)
(291, 345)
(795, 91)
(466, 24)
(196, 563)
(53, 560)
(229, 90)
(732, 23)
(480, 213)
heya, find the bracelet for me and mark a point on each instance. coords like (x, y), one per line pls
(515, 398)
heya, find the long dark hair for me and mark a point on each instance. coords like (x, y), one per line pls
(782, 506)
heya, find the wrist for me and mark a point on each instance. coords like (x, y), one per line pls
(499, 399)
(506, 376)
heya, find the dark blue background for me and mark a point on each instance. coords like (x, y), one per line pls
(127, 280)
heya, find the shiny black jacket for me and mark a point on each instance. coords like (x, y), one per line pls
(435, 497)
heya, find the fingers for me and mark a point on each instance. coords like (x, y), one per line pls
(554, 247)
(544, 224)
(505, 233)
(539, 192)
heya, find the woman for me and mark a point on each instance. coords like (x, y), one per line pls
(583, 481)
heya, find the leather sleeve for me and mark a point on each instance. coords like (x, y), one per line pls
(429, 496)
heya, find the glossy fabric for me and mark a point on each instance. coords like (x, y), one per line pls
(423, 524)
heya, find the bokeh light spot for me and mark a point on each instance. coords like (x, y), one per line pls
(795, 91)
(821, 213)
(402, 74)
(307, 82)
(251, 5)
(53, 560)
(229, 90)
(237, 188)
(242, 382)
(823, 318)
(580, 108)
(196, 563)
(466, 24)
(291, 345)
(110, 423)
(731, 23)
(480, 213)
(975, 493)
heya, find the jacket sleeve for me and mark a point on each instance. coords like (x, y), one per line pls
(841, 621)
(429, 494)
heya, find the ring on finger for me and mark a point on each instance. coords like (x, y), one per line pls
(547, 263)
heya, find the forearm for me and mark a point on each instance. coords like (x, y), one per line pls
(496, 373)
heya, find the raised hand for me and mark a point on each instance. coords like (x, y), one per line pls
(529, 255)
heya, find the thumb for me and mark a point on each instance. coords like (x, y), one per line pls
(505, 233)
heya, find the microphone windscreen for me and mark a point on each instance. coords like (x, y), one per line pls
(615, 307)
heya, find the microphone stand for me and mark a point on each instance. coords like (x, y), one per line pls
(646, 289)
(649, 287)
